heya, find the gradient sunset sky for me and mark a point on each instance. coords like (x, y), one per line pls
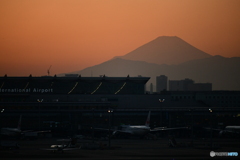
(71, 35)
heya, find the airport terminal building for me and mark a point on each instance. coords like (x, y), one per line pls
(71, 104)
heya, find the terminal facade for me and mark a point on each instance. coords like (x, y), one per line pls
(71, 104)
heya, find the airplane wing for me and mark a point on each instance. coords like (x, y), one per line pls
(47, 131)
(214, 129)
(114, 131)
(69, 149)
(34, 134)
(48, 149)
(103, 129)
(64, 140)
(120, 131)
(165, 129)
(222, 130)
(59, 149)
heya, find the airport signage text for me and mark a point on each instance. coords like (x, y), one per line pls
(27, 90)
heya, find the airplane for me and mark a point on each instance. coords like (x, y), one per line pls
(14, 132)
(139, 130)
(228, 131)
(67, 144)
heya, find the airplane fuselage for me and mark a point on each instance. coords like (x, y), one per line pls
(230, 131)
(10, 131)
(136, 130)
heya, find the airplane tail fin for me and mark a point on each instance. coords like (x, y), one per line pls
(19, 122)
(148, 119)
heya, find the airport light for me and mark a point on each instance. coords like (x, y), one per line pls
(110, 111)
(40, 100)
(2, 110)
(161, 100)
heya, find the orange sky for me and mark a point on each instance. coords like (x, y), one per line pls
(71, 35)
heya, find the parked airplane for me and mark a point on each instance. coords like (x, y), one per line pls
(228, 131)
(140, 130)
(13, 132)
(137, 130)
(66, 145)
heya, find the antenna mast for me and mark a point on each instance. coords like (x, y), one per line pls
(48, 71)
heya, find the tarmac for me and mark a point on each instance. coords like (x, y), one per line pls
(121, 149)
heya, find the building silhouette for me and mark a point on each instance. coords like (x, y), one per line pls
(188, 85)
(180, 85)
(200, 87)
(161, 83)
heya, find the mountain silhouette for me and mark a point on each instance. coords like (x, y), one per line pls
(166, 50)
(220, 71)
(173, 57)
(119, 67)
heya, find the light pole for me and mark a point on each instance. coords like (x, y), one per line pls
(39, 101)
(211, 119)
(1, 124)
(93, 125)
(161, 107)
(191, 110)
(110, 111)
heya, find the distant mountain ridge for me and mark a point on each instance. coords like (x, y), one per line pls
(222, 72)
(166, 50)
